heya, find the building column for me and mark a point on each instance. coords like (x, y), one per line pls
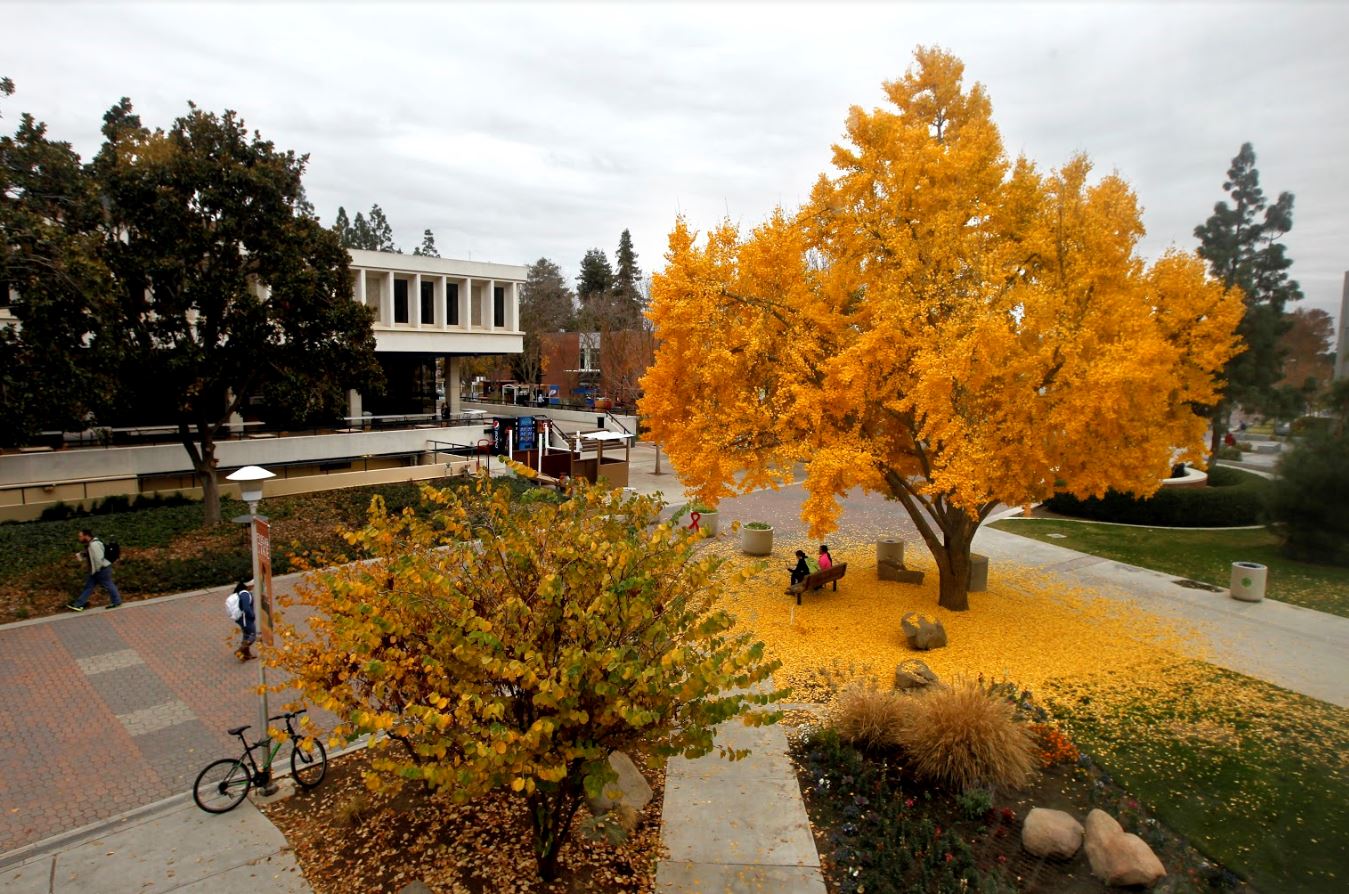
(442, 308)
(360, 286)
(354, 408)
(386, 300)
(466, 305)
(489, 317)
(452, 384)
(415, 301)
(1342, 349)
(513, 308)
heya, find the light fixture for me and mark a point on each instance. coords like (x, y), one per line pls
(250, 479)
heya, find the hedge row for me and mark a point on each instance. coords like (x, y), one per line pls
(1233, 497)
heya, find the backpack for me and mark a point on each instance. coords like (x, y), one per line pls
(232, 606)
(111, 550)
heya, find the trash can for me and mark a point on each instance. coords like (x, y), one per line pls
(1248, 581)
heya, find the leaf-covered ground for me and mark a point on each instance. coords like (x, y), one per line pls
(1255, 776)
(350, 839)
(1198, 555)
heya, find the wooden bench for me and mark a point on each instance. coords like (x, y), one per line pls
(818, 579)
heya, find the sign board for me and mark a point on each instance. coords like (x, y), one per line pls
(525, 433)
(500, 427)
(262, 587)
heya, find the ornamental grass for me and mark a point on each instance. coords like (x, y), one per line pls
(960, 736)
(868, 718)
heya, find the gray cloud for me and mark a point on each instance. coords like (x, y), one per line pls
(516, 131)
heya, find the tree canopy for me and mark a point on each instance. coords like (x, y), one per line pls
(371, 233)
(1241, 243)
(597, 276)
(938, 324)
(512, 645)
(546, 305)
(428, 247)
(182, 276)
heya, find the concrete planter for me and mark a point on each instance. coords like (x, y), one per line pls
(1248, 581)
(756, 541)
(709, 522)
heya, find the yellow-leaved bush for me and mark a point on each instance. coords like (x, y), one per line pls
(938, 324)
(501, 643)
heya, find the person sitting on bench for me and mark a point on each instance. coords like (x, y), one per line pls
(800, 571)
(825, 560)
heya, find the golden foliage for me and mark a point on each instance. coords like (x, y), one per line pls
(960, 735)
(494, 644)
(938, 323)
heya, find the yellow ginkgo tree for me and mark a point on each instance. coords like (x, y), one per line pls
(938, 324)
(496, 643)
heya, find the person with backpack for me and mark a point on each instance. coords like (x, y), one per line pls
(98, 560)
(239, 605)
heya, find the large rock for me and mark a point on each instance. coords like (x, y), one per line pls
(1118, 857)
(913, 674)
(630, 789)
(923, 634)
(886, 570)
(1051, 833)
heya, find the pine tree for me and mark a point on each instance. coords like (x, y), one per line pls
(597, 277)
(545, 306)
(1241, 244)
(342, 227)
(381, 234)
(360, 235)
(628, 274)
(428, 247)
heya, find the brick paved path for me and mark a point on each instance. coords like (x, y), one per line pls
(105, 711)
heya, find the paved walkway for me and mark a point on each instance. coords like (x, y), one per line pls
(171, 846)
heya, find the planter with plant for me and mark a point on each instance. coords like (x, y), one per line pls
(708, 518)
(756, 538)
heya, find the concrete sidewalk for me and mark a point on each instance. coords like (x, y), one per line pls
(1297, 648)
(737, 826)
(171, 846)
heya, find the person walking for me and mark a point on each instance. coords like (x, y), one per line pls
(95, 559)
(240, 604)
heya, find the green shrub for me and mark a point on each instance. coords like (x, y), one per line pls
(758, 526)
(1309, 504)
(975, 802)
(115, 504)
(1233, 453)
(1233, 497)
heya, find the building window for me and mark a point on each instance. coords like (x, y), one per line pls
(400, 300)
(4, 293)
(499, 306)
(452, 303)
(428, 303)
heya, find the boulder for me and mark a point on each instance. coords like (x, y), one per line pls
(417, 887)
(630, 789)
(1051, 833)
(923, 634)
(886, 570)
(1118, 857)
(913, 674)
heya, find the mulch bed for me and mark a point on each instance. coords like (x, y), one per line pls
(995, 838)
(349, 839)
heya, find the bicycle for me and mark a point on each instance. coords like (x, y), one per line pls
(224, 783)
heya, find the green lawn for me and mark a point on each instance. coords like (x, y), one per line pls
(1253, 775)
(1198, 555)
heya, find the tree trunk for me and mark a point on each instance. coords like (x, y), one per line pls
(953, 566)
(551, 814)
(210, 485)
(1219, 429)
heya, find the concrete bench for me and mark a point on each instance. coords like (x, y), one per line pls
(818, 579)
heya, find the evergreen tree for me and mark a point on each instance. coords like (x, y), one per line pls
(381, 234)
(546, 305)
(360, 235)
(628, 274)
(428, 247)
(1241, 244)
(597, 277)
(342, 227)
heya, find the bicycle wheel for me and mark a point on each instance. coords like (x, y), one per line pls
(308, 762)
(222, 785)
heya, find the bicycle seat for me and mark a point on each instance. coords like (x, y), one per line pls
(238, 729)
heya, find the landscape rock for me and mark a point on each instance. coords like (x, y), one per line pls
(417, 887)
(913, 674)
(1118, 857)
(1051, 833)
(893, 571)
(630, 789)
(923, 634)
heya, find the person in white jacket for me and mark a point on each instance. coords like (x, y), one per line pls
(96, 561)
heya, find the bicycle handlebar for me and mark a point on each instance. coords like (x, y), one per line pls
(288, 715)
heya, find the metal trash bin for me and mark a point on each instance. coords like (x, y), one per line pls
(1248, 581)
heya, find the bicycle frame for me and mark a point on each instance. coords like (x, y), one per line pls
(262, 776)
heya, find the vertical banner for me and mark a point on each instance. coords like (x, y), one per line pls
(266, 601)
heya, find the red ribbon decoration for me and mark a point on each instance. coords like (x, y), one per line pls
(693, 518)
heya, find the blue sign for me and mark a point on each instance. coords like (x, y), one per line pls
(525, 433)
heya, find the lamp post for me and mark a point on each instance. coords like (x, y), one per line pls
(250, 479)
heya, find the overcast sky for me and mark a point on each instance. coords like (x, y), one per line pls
(516, 131)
